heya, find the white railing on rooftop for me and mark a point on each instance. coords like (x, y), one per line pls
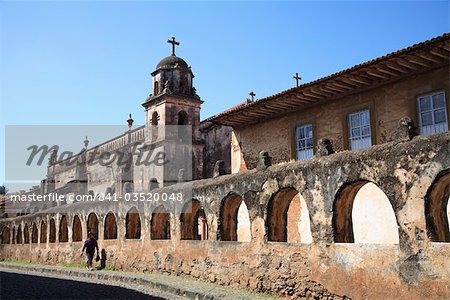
(135, 135)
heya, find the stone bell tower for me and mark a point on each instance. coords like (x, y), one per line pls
(173, 118)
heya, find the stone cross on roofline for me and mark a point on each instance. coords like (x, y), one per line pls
(297, 78)
(252, 95)
(174, 43)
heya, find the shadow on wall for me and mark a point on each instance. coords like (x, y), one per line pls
(102, 260)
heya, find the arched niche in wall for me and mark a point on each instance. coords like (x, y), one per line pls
(77, 231)
(437, 211)
(234, 220)
(63, 230)
(288, 217)
(133, 224)
(193, 222)
(110, 230)
(160, 224)
(92, 224)
(362, 213)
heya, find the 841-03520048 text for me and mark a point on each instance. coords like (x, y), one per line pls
(141, 197)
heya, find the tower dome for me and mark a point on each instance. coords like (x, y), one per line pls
(172, 62)
(173, 76)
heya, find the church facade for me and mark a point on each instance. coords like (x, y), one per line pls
(173, 132)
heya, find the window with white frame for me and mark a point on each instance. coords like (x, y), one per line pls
(432, 113)
(304, 141)
(359, 130)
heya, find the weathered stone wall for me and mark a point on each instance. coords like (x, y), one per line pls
(217, 140)
(387, 104)
(415, 268)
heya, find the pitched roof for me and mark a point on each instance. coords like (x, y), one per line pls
(418, 58)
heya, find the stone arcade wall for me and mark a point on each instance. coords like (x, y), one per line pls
(407, 172)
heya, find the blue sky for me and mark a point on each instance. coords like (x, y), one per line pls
(69, 63)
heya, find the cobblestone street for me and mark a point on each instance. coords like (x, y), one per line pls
(31, 281)
(19, 286)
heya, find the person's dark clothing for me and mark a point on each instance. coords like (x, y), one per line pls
(90, 245)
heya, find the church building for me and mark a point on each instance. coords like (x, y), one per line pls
(337, 188)
(350, 110)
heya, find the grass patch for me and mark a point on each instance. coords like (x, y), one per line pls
(82, 265)
(18, 261)
(74, 265)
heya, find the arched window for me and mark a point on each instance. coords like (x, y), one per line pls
(110, 231)
(77, 231)
(154, 127)
(154, 184)
(160, 224)
(6, 236)
(182, 118)
(19, 235)
(52, 237)
(362, 213)
(133, 224)
(183, 132)
(63, 230)
(43, 232)
(92, 225)
(234, 221)
(193, 222)
(437, 211)
(26, 234)
(155, 118)
(288, 218)
(34, 234)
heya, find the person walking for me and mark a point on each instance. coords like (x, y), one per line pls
(90, 245)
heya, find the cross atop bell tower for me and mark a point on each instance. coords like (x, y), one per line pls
(172, 114)
(174, 98)
(174, 43)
